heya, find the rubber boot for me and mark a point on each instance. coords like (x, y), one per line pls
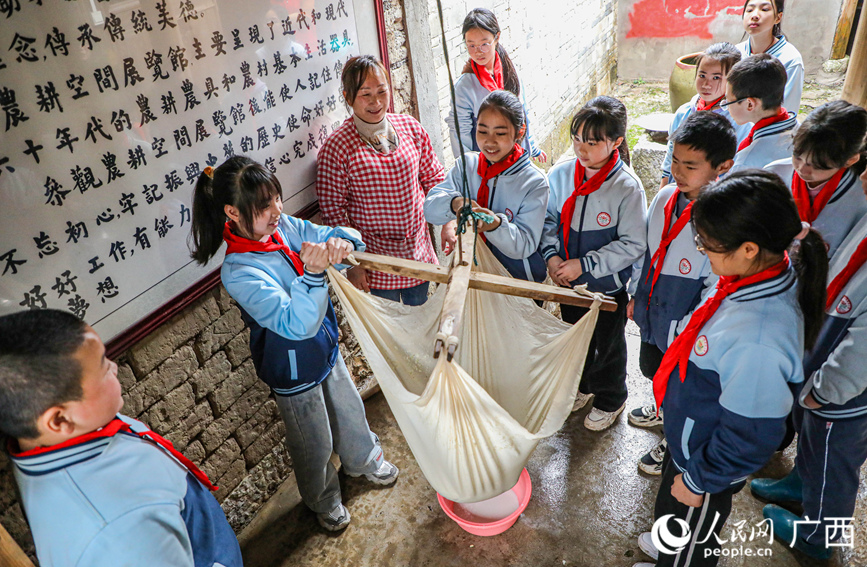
(784, 530)
(787, 489)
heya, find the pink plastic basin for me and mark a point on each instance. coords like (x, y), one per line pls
(523, 490)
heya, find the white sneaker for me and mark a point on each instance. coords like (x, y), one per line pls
(643, 564)
(335, 520)
(386, 474)
(645, 416)
(651, 462)
(645, 543)
(598, 420)
(581, 401)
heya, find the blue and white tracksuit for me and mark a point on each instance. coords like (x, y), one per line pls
(121, 500)
(832, 440)
(518, 196)
(684, 275)
(293, 329)
(846, 207)
(791, 59)
(293, 341)
(728, 416)
(682, 114)
(608, 230)
(771, 143)
(469, 94)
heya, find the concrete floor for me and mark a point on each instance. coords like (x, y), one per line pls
(589, 505)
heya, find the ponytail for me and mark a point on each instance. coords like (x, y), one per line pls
(239, 182)
(207, 226)
(623, 148)
(510, 74)
(754, 205)
(810, 259)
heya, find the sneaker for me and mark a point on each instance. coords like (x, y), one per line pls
(651, 463)
(644, 564)
(645, 416)
(386, 474)
(645, 544)
(335, 520)
(598, 420)
(581, 401)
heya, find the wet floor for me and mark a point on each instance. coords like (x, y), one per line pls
(589, 505)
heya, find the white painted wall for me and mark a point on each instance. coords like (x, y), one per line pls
(560, 48)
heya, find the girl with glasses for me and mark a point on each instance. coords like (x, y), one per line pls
(488, 69)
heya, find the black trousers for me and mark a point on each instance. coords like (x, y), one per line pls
(704, 521)
(649, 359)
(605, 367)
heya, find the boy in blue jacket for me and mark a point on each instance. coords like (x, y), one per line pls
(98, 488)
(668, 281)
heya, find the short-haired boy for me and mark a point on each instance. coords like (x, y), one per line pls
(754, 93)
(667, 283)
(98, 489)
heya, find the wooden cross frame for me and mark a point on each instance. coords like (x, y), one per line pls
(459, 277)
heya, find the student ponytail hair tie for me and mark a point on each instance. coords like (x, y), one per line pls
(209, 171)
(805, 230)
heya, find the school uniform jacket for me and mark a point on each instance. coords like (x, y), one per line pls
(728, 415)
(518, 196)
(791, 59)
(837, 364)
(121, 500)
(846, 207)
(293, 329)
(771, 143)
(685, 110)
(607, 232)
(469, 94)
(685, 274)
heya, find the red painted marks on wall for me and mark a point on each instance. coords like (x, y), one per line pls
(678, 18)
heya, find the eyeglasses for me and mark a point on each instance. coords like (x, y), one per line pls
(483, 48)
(699, 244)
(725, 104)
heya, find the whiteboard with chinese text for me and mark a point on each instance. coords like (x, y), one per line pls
(110, 111)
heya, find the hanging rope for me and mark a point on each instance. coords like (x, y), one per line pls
(465, 214)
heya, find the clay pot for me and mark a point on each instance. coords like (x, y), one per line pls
(681, 84)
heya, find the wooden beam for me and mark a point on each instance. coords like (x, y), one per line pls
(456, 296)
(10, 554)
(844, 29)
(855, 87)
(485, 282)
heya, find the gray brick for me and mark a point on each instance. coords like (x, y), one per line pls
(211, 375)
(253, 428)
(164, 415)
(224, 329)
(159, 383)
(232, 387)
(195, 452)
(264, 444)
(219, 461)
(191, 425)
(159, 345)
(238, 349)
(242, 410)
(230, 479)
(125, 376)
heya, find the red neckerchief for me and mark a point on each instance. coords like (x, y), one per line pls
(702, 105)
(858, 259)
(678, 353)
(807, 210)
(237, 244)
(583, 188)
(113, 428)
(491, 81)
(779, 117)
(669, 233)
(489, 171)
